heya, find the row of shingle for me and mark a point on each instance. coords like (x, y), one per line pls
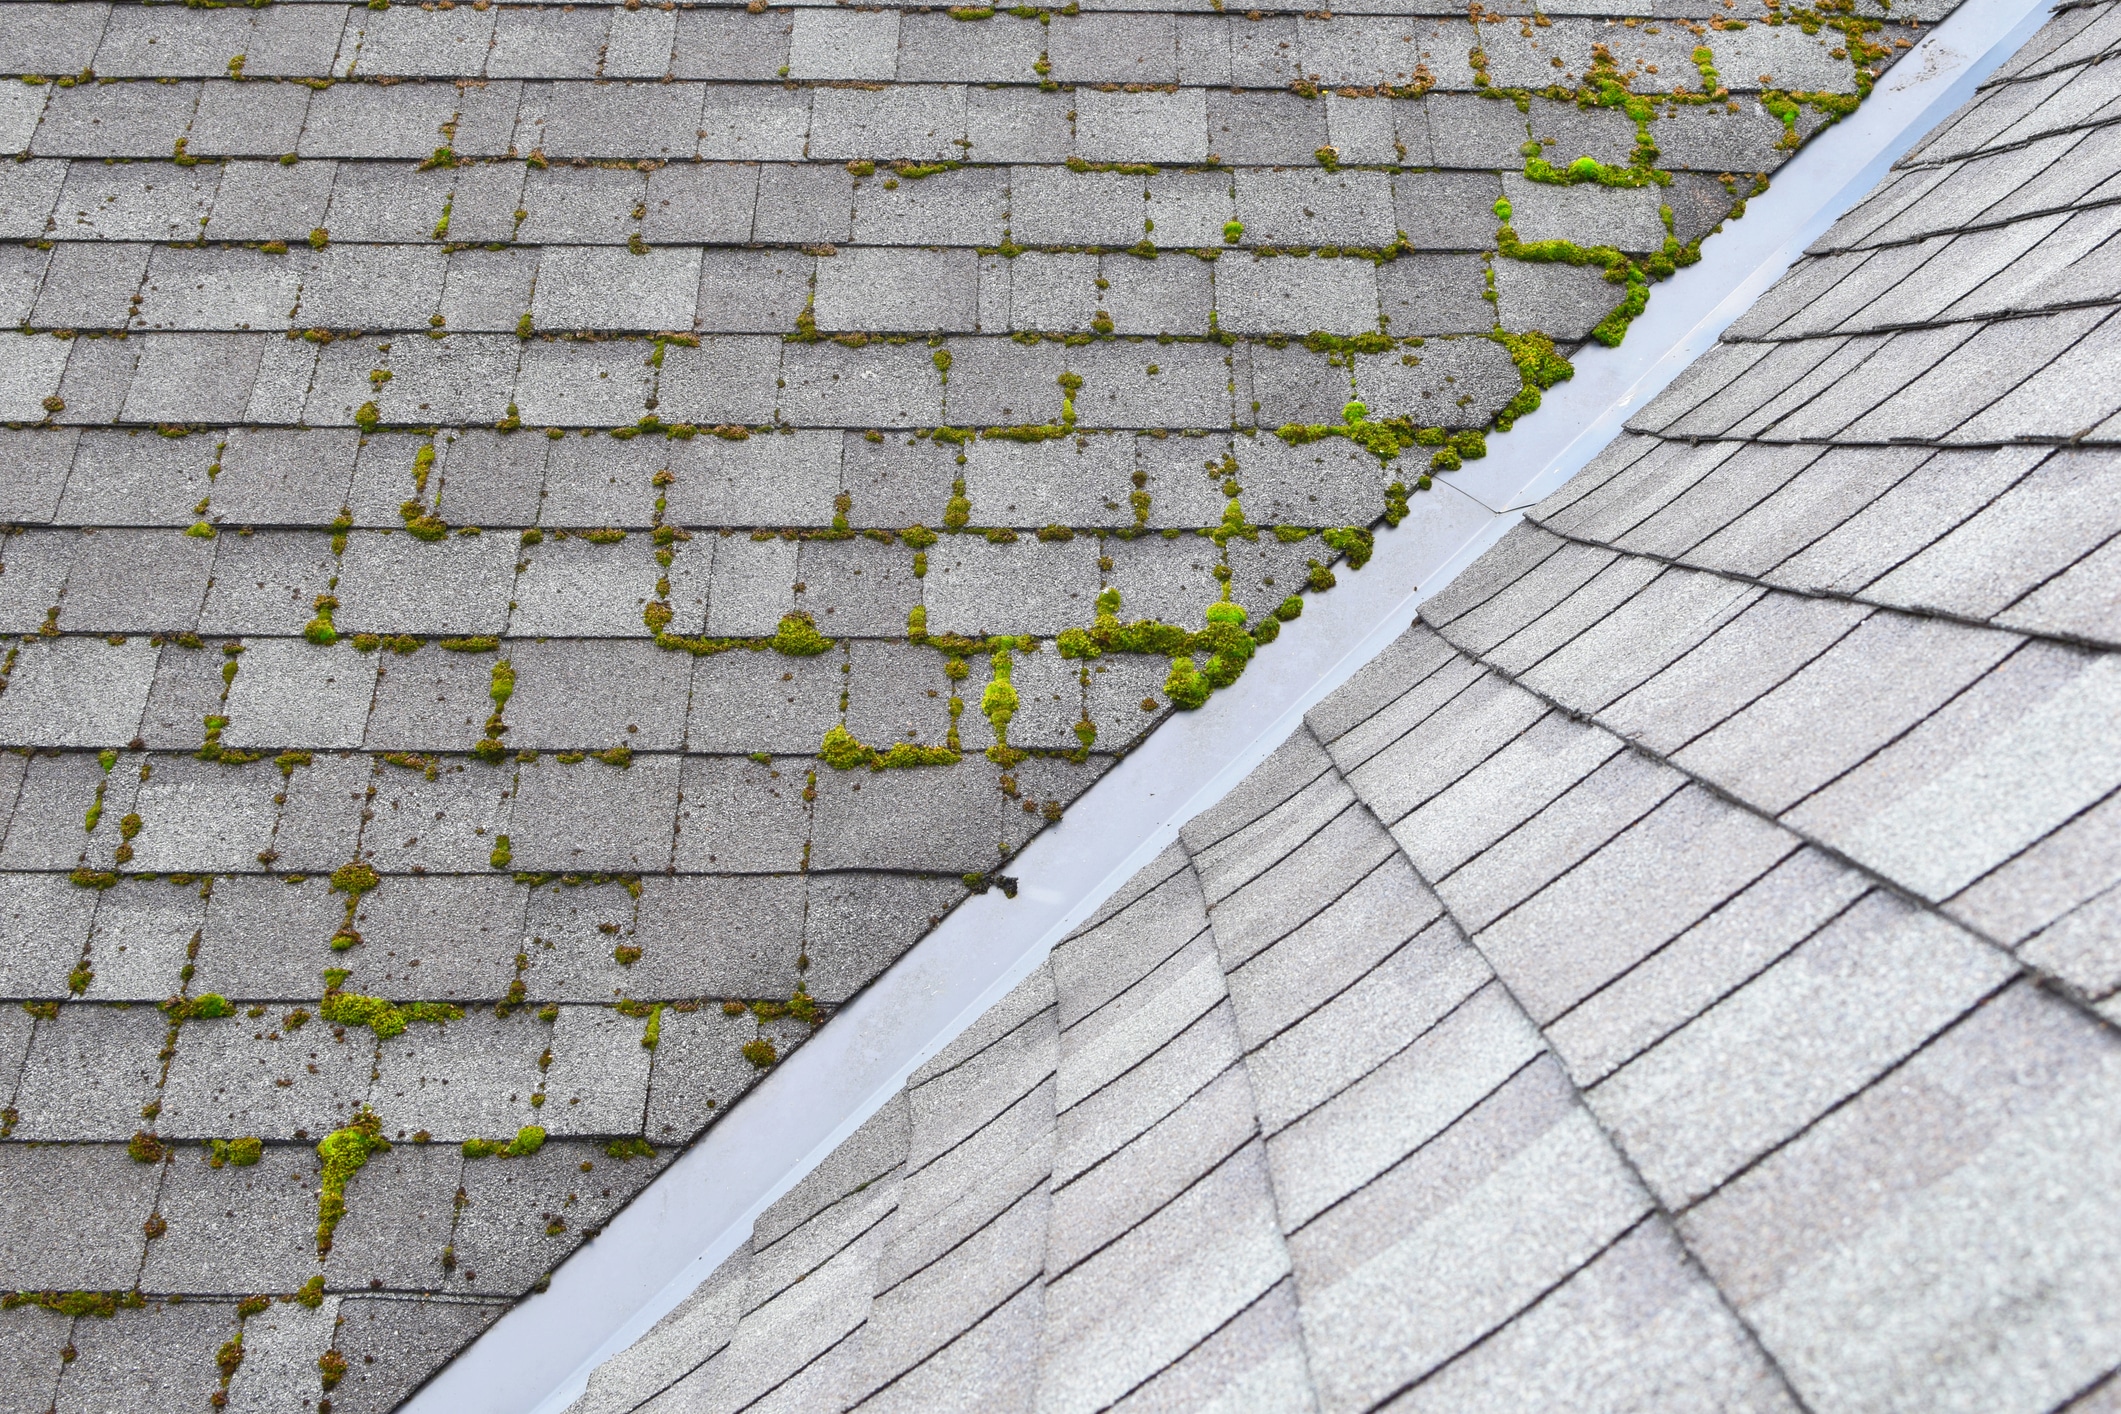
(1971, 382)
(2014, 112)
(701, 815)
(84, 692)
(165, 1352)
(104, 477)
(589, 42)
(924, 122)
(2016, 538)
(396, 1239)
(2056, 261)
(456, 938)
(267, 583)
(1970, 197)
(812, 204)
(88, 1071)
(860, 289)
(2079, 33)
(275, 380)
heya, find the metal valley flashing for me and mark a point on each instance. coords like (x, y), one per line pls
(648, 1259)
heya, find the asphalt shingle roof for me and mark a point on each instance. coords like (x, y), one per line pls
(1679, 973)
(485, 484)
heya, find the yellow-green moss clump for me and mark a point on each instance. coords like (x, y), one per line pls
(344, 1152)
(797, 637)
(529, 1139)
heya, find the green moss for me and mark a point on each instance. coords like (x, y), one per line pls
(421, 523)
(101, 1304)
(144, 1148)
(356, 878)
(208, 1006)
(235, 1153)
(998, 704)
(842, 751)
(386, 1019)
(760, 1052)
(529, 1139)
(502, 854)
(86, 878)
(311, 1292)
(631, 1147)
(344, 1153)
(1353, 541)
(1185, 686)
(1590, 169)
(320, 630)
(797, 637)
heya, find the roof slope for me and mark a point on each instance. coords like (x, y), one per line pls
(1679, 973)
(428, 429)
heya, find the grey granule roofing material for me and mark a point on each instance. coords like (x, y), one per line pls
(490, 491)
(1679, 973)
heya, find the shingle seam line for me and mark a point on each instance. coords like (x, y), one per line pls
(958, 1245)
(1220, 1157)
(1727, 992)
(1466, 1109)
(1623, 1157)
(1054, 1277)
(1885, 1074)
(1883, 881)
(1349, 768)
(972, 1056)
(1442, 1018)
(1164, 1045)
(1167, 960)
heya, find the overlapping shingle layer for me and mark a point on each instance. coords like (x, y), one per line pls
(485, 483)
(1680, 973)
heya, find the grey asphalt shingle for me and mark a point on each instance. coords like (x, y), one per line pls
(1307, 1080)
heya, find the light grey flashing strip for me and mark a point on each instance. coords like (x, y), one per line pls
(538, 1357)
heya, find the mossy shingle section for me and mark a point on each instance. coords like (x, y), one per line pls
(546, 545)
(1691, 940)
